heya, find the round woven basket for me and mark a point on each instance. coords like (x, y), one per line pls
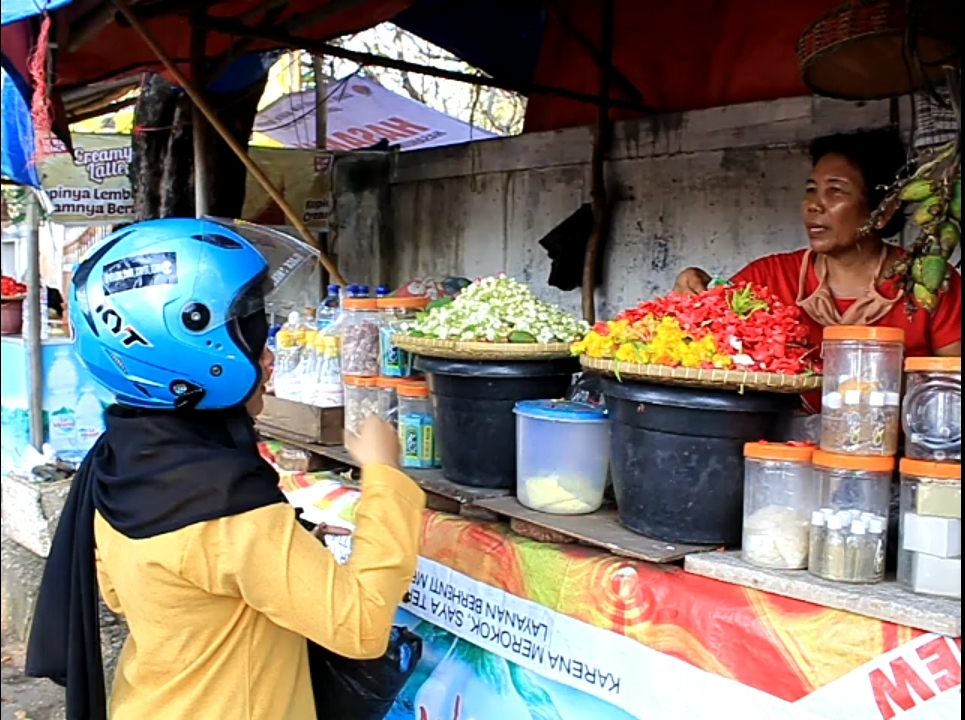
(862, 50)
(458, 350)
(697, 377)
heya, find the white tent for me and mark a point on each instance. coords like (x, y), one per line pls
(360, 113)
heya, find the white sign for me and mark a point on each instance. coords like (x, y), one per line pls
(360, 113)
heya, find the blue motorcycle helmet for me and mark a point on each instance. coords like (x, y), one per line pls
(171, 314)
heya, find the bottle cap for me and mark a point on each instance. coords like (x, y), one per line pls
(817, 518)
(827, 511)
(876, 525)
(834, 523)
(333, 289)
(293, 317)
(858, 528)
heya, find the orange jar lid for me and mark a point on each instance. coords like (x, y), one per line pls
(360, 304)
(362, 382)
(788, 452)
(864, 332)
(402, 303)
(413, 389)
(866, 463)
(934, 364)
(926, 469)
(389, 382)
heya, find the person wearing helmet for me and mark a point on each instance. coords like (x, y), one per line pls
(175, 515)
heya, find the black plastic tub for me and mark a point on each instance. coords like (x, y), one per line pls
(677, 456)
(473, 403)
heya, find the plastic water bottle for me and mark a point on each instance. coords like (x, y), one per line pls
(89, 419)
(61, 404)
(328, 309)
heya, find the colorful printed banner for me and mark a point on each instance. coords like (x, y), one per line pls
(93, 185)
(519, 629)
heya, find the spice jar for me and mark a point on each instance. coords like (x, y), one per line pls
(930, 528)
(393, 313)
(361, 401)
(360, 337)
(861, 413)
(416, 426)
(849, 531)
(389, 399)
(780, 494)
(932, 409)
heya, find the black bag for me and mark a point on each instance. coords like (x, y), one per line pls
(362, 689)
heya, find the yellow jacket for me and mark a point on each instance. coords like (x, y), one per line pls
(219, 611)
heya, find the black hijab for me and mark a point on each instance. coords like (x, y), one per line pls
(150, 473)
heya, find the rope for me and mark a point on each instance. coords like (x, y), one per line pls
(40, 106)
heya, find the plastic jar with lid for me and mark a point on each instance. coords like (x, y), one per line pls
(780, 494)
(393, 313)
(360, 337)
(930, 528)
(361, 400)
(389, 399)
(417, 435)
(861, 403)
(931, 413)
(849, 532)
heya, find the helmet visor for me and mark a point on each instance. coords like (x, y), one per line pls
(294, 274)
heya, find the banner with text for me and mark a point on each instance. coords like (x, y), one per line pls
(518, 629)
(92, 185)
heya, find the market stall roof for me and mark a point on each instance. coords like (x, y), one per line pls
(668, 56)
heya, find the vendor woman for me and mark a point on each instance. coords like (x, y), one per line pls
(842, 278)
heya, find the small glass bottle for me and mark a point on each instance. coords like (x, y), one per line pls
(856, 550)
(816, 545)
(834, 550)
(876, 538)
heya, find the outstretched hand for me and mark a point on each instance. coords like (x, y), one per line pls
(376, 443)
(692, 281)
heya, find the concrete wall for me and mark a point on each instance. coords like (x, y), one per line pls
(715, 188)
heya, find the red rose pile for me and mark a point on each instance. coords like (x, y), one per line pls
(11, 288)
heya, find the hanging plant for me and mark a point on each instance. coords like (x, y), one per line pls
(933, 194)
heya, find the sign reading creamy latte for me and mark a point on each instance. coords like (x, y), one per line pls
(93, 184)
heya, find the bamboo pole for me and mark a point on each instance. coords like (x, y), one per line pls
(226, 135)
(33, 336)
(199, 44)
(601, 145)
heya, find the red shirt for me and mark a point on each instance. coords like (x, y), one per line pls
(924, 332)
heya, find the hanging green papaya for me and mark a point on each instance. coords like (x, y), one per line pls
(918, 190)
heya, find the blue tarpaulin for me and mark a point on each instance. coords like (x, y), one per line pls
(17, 138)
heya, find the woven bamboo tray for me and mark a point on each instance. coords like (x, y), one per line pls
(697, 377)
(459, 350)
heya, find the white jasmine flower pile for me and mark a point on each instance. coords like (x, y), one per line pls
(497, 310)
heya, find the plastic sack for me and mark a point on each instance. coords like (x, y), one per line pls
(432, 288)
(362, 689)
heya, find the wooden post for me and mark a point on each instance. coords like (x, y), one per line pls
(601, 145)
(199, 57)
(33, 342)
(226, 135)
(321, 106)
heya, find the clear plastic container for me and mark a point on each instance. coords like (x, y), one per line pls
(932, 410)
(389, 399)
(930, 528)
(780, 495)
(361, 400)
(393, 312)
(849, 533)
(562, 456)
(360, 337)
(324, 389)
(861, 413)
(417, 435)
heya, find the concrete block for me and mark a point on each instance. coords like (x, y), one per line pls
(31, 511)
(20, 574)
